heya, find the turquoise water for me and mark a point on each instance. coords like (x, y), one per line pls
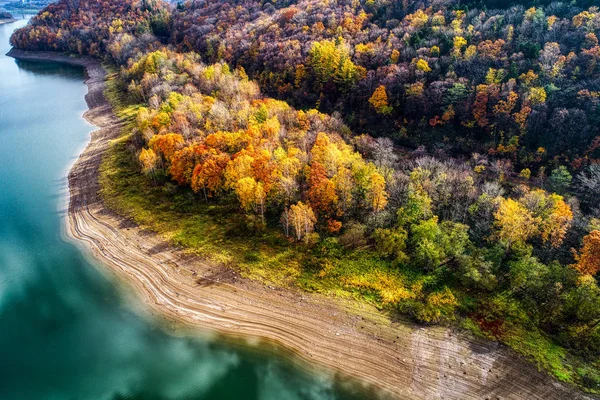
(66, 330)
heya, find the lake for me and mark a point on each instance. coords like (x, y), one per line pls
(67, 330)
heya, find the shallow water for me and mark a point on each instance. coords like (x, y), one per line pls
(66, 330)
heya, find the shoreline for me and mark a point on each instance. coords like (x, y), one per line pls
(406, 361)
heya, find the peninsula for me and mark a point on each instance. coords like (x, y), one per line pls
(385, 257)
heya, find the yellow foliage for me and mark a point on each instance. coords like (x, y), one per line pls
(515, 223)
(479, 169)
(537, 95)
(379, 100)
(525, 173)
(459, 43)
(417, 19)
(377, 195)
(389, 287)
(423, 65)
(149, 160)
(470, 52)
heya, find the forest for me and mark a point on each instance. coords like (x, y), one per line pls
(437, 159)
(456, 79)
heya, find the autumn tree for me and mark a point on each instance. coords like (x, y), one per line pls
(514, 222)
(379, 101)
(552, 214)
(149, 160)
(588, 257)
(321, 192)
(208, 175)
(166, 144)
(251, 195)
(376, 195)
(302, 218)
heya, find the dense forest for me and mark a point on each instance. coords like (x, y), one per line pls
(457, 79)
(439, 157)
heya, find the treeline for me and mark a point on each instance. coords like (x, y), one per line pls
(432, 237)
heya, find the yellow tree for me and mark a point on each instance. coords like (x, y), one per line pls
(514, 222)
(459, 43)
(376, 195)
(537, 95)
(251, 195)
(553, 214)
(324, 59)
(149, 161)
(379, 101)
(302, 218)
(423, 65)
(344, 185)
(240, 167)
(327, 153)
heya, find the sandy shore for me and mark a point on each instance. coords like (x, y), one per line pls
(407, 362)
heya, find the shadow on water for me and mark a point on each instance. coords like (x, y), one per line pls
(51, 69)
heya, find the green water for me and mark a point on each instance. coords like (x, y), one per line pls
(66, 330)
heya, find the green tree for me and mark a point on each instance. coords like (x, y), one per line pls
(560, 179)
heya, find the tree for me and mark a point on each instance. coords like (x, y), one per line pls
(167, 144)
(560, 179)
(391, 243)
(417, 207)
(376, 195)
(588, 258)
(423, 65)
(262, 113)
(184, 162)
(321, 192)
(537, 95)
(434, 245)
(344, 186)
(209, 175)
(149, 161)
(251, 195)
(302, 219)
(582, 304)
(347, 74)
(435, 307)
(553, 216)
(379, 101)
(514, 222)
(330, 61)
(324, 59)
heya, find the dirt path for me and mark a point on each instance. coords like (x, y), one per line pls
(408, 362)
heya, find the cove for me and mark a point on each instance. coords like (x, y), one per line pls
(67, 331)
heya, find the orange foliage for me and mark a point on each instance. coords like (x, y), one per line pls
(588, 259)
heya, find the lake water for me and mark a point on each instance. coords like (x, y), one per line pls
(66, 330)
